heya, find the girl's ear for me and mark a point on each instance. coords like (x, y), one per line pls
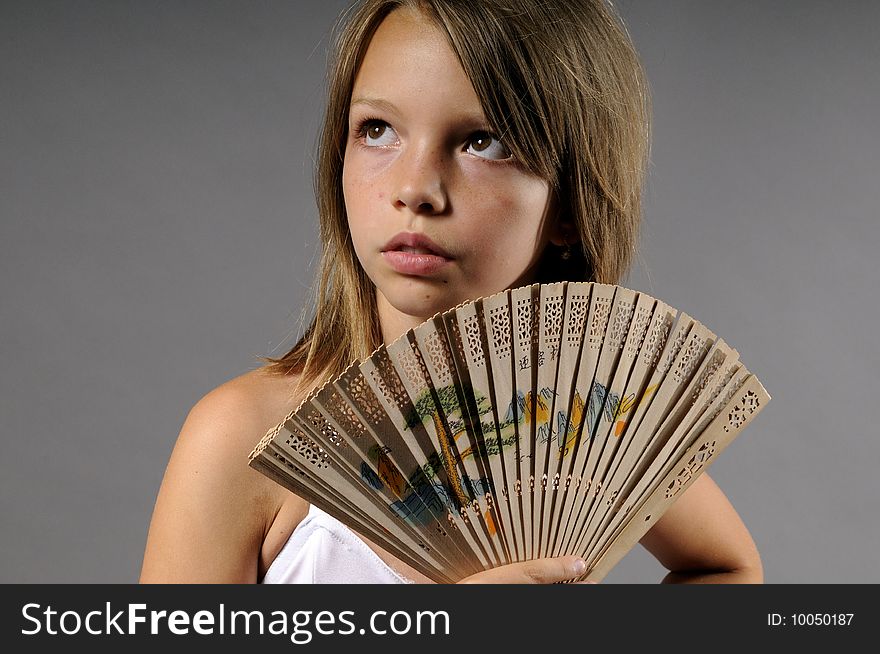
(563, 233)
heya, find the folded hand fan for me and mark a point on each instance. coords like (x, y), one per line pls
(544, 420)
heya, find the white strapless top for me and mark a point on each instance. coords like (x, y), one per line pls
(322, 550)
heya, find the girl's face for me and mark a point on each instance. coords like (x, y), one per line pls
(420, 163)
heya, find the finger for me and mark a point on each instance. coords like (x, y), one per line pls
(538, 571)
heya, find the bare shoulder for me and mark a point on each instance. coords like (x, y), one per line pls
(250, 404)
(232, 418)
(227, 422)
(214, 514)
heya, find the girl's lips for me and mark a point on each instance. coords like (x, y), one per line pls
(412, 263)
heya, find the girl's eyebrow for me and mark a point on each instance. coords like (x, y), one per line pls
(377, 103)
(385, 105)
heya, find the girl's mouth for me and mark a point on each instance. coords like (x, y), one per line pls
(415, 261)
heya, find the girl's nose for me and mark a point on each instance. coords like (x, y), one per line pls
(419, 183)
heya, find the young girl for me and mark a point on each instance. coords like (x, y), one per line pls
(469, 146)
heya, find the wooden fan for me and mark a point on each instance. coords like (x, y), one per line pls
(544, 420)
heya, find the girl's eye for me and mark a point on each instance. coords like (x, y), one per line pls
(376, 133)
(488, 147)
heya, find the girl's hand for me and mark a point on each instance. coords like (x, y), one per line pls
(538, 571)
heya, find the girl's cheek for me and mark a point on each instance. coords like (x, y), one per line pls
(358, 170)
(362, 197)
(371, 166)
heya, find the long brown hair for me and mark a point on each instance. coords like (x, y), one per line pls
(561, 84)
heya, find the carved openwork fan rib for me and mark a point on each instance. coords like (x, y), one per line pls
(545, 420)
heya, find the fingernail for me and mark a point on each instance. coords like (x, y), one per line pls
(580, 566)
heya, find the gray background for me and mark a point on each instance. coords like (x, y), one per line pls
(158, 232)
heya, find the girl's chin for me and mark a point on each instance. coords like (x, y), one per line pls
(420, 302)
(420, 311)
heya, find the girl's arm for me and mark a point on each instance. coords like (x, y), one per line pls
(701, 539)
(212, 510)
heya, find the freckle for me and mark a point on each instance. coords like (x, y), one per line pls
(380, 195)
